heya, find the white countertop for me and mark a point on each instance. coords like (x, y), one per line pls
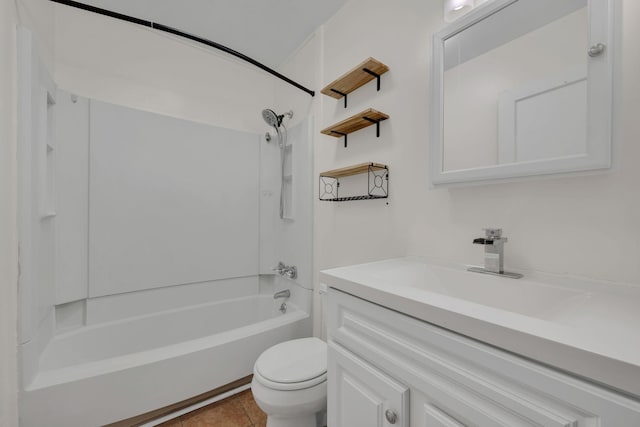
(585, 327)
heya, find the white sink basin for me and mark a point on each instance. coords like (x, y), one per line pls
(521, 296)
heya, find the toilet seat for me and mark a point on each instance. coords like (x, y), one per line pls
(273, 385)
(293, 365)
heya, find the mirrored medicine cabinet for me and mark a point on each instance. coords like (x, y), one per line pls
(522, 88)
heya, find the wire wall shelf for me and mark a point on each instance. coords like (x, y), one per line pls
(377, 182)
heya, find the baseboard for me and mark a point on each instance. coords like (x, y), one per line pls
(139, 420)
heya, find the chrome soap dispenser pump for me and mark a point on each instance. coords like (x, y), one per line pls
(493, 243)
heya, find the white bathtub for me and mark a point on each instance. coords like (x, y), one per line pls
(104, 373)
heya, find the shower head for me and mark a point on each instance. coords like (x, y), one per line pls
(273, 119)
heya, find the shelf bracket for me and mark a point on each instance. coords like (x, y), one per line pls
(343, 94)
(341, 134)
(377, 122)
(376, 75)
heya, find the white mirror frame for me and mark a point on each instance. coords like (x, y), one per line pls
(602, 16)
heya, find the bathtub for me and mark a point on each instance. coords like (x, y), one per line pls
(104, 373)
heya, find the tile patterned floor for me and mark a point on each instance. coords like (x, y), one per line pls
(239, 410)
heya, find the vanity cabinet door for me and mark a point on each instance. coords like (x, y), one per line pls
(360, 395)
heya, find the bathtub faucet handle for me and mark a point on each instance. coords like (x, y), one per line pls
(280, 268)
(291, 272)
(282, 294)
(285, 270)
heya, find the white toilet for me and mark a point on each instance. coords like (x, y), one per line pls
(290, 383)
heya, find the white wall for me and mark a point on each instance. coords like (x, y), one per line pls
(290, 240)
(295, 236)
(38, 17)
(352, 232)
(8, 226)
(581, 225)
(296, 244)
(125, 64)
(552, 223)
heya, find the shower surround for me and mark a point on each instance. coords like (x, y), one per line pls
(162, 234)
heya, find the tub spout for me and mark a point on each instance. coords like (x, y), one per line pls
(282, 294)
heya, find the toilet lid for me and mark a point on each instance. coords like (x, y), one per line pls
(293, 361)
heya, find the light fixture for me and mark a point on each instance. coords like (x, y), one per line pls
(453, 9)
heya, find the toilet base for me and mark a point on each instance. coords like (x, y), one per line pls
(299, 408)
(305, 421)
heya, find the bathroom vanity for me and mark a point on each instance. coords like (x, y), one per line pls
(414, 344)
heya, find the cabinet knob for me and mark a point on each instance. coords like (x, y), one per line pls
(391, 416)
(596, 50)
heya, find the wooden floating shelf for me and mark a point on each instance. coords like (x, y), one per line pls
(353, 170)
(360, 75)
(354, 123)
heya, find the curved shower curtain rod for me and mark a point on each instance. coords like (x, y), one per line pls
(177, 32)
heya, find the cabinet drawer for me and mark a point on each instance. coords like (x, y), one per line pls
(468, 382)
(433, 417)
